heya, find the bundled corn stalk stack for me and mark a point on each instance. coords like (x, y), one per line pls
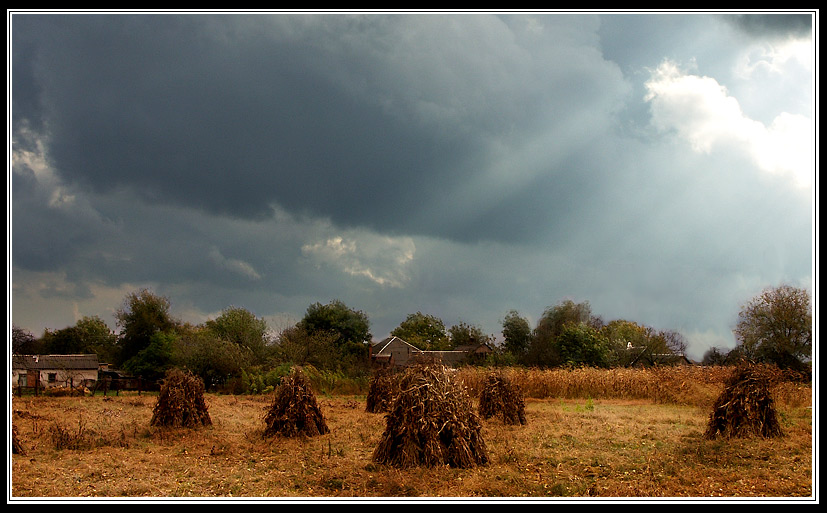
(500, 396)
(745, 407)
(384, 386)
(181, 402)
(431, 422)
(294, 410)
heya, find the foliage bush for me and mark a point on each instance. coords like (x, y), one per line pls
(260, 381)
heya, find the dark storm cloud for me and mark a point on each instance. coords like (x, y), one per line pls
(372, 121)
(459, 165)
(775, 24)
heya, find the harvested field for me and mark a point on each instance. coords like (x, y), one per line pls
(582, 447)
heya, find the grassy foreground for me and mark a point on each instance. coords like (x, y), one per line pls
(576, 444)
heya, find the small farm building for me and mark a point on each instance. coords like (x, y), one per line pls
(395, 352)
(644, 358)
(54, 370)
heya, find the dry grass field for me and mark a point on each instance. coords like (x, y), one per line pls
(597, 434)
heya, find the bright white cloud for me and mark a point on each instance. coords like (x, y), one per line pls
(702, 111)
(383, 260)
(234, 265)
(35, 161)
(776, 58)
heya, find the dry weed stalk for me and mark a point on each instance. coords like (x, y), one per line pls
(294, 410)
(431, 423)
(501, 396)
(65, 438)
(745, 407)
(16, 445)
(181, 402)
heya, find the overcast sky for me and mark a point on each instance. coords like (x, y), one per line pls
(660, 167)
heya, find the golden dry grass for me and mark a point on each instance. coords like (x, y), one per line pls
(586, 446)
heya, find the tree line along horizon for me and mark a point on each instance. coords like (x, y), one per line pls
(773, 327)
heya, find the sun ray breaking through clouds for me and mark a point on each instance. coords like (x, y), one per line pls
(659, 166)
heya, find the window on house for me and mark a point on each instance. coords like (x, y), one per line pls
(52, 377)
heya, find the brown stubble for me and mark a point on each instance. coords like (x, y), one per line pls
(569, 447)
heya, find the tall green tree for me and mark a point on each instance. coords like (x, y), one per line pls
(627, 340)
(516, 333)
(350, 327)
(581, 344)
(297, 346)
(142, 315)
(464, 334)
(98, 338)
(424, 331)
(544, 350)
(776, 327)
(214, 359)
(155, 359)
(23, 341)
(62, 341)
(242, 327)
(633, 343)
(88, 335)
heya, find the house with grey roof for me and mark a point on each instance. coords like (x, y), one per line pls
(54, 370)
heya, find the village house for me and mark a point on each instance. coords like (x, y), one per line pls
(643, 357)
(54, 370)
(395, 352)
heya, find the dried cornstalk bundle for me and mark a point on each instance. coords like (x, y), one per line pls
(500, 396)
(181, 402)
(431, 422)
(384, 386)
(745, 407)
(294, 410)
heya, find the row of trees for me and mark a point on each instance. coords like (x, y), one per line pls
(236, 343)
(774, 327)
(568, 334)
